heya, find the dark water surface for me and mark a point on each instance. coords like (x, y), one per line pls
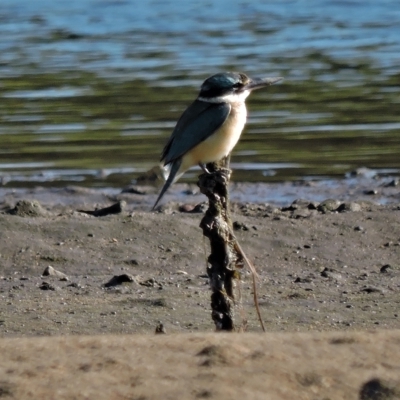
(90, 89)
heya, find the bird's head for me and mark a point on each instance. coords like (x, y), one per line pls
(231, 86)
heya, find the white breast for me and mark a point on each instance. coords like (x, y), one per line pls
(221, 143)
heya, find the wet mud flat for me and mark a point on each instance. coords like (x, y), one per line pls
(330, 266)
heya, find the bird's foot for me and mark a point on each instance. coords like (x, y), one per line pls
(226, 172)
(224, 175)
(204, 168)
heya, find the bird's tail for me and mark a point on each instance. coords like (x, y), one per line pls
(171, 178)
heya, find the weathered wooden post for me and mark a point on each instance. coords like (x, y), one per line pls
(224, 258)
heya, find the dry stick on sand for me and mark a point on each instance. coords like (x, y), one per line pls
(226, 253)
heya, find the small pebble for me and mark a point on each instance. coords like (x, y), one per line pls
(371, 192)
(160, 329)
(119, 280)
(385, 268)
(47, 286)
(50, 271)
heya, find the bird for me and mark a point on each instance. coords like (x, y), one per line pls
(211, 126)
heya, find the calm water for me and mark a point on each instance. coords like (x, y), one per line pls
(90, 89)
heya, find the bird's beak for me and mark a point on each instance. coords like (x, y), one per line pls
(258, 83)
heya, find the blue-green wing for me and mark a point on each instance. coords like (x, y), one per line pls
(197, 123)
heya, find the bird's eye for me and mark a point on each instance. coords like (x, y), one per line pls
(244, 79)
(237, 85)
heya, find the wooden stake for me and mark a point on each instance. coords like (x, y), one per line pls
(217, 227)
(226, 253)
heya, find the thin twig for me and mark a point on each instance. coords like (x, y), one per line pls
(254, 275)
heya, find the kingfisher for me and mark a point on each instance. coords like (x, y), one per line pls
(211, 126)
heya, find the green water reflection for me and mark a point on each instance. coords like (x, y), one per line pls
(75, 124)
